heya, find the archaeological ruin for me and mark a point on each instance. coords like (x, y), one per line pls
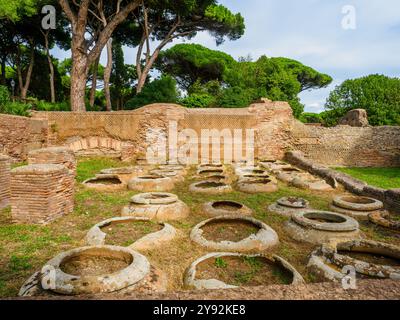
(159, 213)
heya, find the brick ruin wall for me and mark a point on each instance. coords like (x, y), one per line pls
(349, 146)
(124, 134)
(19, 135)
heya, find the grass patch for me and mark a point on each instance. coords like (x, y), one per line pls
(24, 249)
(386, 178)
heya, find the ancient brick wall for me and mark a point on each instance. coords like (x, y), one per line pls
(5, 177)
(19, 135)
(348, 146)
(126, 134)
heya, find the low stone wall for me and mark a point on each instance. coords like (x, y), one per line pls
(349, 146)
(391, 198)
(40, 193)
(5, 177)
(19, 135)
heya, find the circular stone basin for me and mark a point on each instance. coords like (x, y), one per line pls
(356, 207)
(317, 227)
(124, 173)
(174, 167)
(258, 185)
(369, 259)
(217, 178)
(136, 233)
(156, 206)
(207, 172)
(151, 183)
(211, 165)
(245, 234)
(106, 182)
(226, 207)
(173, 174)
(97, 269)
(309, 182)
(210, 187)
(383, 219)
(288, 205)
(273, 165)
(231, 270)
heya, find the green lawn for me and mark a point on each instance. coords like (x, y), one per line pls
(386, 178)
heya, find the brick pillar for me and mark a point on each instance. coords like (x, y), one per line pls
(61, 156)
(5, 177)
(39, 193)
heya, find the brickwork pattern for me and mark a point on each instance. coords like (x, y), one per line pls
(5, 177)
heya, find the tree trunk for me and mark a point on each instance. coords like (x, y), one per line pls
(51, 67)
(146, 70)
(94, 82)
(79, 75)
(24, 87)
(3, 71)
(107, 75)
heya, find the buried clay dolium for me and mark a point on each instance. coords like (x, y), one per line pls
(257, 185)
(226, 207)
(289, 205)
(257, 236)
(356, 207)
(156, 206)
(210, 187)
(370, 259)
(136, 233)
(231, 270)
(92, 270)
(318, 227)
(105, 182)
(151, 183)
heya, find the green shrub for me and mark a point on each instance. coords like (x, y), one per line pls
(198, 100)
(309, 117)
(17, 108)
(4, 96)
(48, 106)
(158, 91)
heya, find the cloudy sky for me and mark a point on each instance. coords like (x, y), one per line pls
(311, 31)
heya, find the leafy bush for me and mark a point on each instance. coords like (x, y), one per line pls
(17, 108)
(237, 97)
(378, 94)
(309, 117)
(48, 106)
(4, 96)
(198, 100)
(158, 91)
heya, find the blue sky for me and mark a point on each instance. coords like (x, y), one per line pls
(311, 31)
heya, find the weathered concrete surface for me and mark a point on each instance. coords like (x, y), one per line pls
(95, 183)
